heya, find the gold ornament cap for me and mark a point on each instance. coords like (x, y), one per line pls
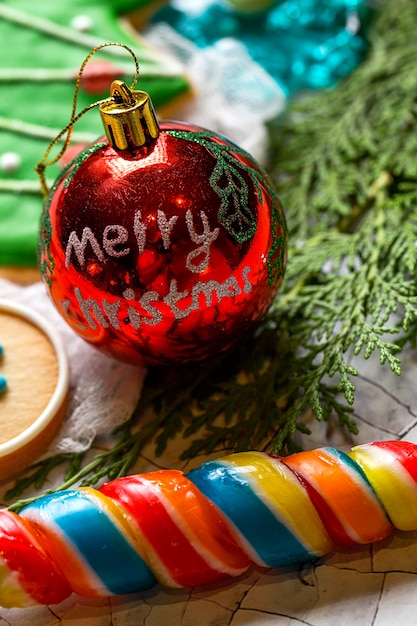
(128, 117)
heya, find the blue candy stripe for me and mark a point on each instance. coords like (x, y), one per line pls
(271, 540)
(97, 538)
(344, 459)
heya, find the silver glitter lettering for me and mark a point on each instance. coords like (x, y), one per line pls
(208, 289)
(205, 239)
(66, 306)
(247, 285)
(112, 309)
(90, 307)
(173, 297)
(113, 236)
(129, 294)
(165, 227)
(134, 318)
(145, 303)
(79, 246)
(231, 287)
(139, 229)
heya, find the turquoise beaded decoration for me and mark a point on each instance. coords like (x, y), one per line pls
(302, 44)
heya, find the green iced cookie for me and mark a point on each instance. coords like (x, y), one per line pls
(43, 46)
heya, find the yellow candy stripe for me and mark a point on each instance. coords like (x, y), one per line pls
(285, 496)
(11, 592)
(392, 483)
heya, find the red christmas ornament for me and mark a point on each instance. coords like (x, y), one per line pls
(161, 245)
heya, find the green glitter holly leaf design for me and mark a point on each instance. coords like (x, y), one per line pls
(234, 213)
(228, 181)
(46, 260)
(42, 50)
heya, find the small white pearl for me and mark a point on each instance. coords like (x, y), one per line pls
(10, 162)
(82, 23)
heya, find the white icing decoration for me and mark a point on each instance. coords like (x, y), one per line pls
(10, 162)
(82, 23)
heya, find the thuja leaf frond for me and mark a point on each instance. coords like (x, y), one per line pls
(352, 212)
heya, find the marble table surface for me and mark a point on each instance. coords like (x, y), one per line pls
(372, 585)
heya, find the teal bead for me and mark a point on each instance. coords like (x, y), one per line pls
(3, 384)
(302, 44)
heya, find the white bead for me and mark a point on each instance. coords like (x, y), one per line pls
(82, 23)
(10, 162)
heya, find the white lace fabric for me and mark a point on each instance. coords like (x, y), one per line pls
(103, 391)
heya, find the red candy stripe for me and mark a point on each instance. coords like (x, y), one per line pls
(25, 557)
(402, 451)
(182, 530)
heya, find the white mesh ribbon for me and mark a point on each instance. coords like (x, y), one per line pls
(233, 95)
(103, 391)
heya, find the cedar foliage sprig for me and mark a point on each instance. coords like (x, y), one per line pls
(345, 164)
(351, 206)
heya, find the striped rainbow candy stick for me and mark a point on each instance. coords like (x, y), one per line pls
(205, 527)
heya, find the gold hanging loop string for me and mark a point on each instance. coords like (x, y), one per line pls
(44, 163)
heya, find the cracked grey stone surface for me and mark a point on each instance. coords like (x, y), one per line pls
(373, 585)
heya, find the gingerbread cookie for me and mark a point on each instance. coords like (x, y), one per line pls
(34, 380)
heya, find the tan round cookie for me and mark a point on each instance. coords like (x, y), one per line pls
(37, 373)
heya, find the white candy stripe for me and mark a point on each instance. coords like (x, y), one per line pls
(196, 543)
(49, 527)
(394, 486)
